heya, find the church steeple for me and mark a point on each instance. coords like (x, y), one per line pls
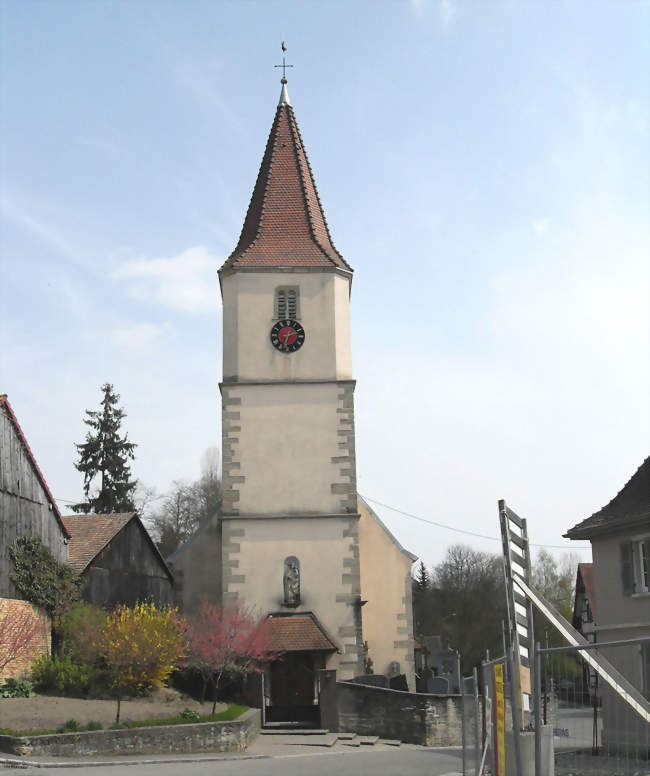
(285, 225)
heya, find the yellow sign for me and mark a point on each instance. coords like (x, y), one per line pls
(500, 722)
(524, 674)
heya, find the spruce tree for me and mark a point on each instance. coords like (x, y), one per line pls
(422, 578)
(103, 459)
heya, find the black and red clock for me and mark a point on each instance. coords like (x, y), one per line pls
(287, 335)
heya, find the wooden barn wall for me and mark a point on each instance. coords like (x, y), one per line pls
(127, 571)
(24, 506)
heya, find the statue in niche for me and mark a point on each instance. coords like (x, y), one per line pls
(291, 581)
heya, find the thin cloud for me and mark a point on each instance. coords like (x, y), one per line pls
(447, 12)
(138, 337)
(185, 282)
(104, 145)
(21, 215)
(541, 226)
(204, 81)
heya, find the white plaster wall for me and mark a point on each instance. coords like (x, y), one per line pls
(287, 437)
(342, 323)
(248, 316)
(612, 606)
(321, 546)
(387, 620)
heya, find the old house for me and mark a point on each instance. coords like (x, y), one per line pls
(117, 559)
(27, 508)
(584, 617)
(620, 540)
(584, 605)
(294, 539)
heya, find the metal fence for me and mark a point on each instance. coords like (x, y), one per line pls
(487, 714)
(471, 724)
(595, 731)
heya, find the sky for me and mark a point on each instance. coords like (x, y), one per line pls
(483, 167)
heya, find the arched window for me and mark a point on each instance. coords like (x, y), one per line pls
(286, 303)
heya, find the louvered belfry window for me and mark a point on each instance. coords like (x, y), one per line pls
(286, 303)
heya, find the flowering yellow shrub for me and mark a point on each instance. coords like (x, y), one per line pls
(140, 647)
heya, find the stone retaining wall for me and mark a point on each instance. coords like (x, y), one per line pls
(415, 718)
(233, 736)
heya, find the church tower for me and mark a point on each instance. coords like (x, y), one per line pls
(293, 539)
(290, 539)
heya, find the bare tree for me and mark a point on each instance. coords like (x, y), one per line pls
(188, 505)
(21, 633)
(465, 603)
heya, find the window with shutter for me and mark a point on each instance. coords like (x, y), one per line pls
(627, 568)
(292, 308)
(286, 303)
(635, 566)
(280, 303)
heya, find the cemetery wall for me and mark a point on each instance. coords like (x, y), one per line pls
(416, 718)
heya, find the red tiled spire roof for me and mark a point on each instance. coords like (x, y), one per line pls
(285, 225)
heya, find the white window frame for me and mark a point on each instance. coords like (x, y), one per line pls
(635, 565)
(641, 561)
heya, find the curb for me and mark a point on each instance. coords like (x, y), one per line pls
(6, 762)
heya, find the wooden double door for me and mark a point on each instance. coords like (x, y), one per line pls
(293, 690)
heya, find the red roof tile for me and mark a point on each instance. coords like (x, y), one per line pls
(297, 633)
(5, 408)
(89, 534)
(285, 225)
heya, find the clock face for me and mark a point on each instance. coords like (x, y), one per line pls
(287, 335)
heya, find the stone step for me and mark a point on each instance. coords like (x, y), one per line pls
(346, 736)
(368, 740)
(293, 731)
(326, 740)
(355, 741)
(390, 741)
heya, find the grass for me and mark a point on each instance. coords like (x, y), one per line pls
(232, 712)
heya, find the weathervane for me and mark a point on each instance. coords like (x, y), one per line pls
(284, 65)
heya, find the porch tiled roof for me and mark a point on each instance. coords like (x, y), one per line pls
(297, 633)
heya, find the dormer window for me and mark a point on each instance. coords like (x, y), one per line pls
(286, 303)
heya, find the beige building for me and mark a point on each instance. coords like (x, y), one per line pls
(294, 540)
(620, 544)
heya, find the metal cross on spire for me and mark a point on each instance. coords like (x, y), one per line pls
(284, 65)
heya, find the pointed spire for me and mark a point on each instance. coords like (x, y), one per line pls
(284, 94)
(285, 225)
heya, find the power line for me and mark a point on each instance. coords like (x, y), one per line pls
(438, 525)
(463, 531)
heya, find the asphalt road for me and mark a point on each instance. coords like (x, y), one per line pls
(412, 761)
